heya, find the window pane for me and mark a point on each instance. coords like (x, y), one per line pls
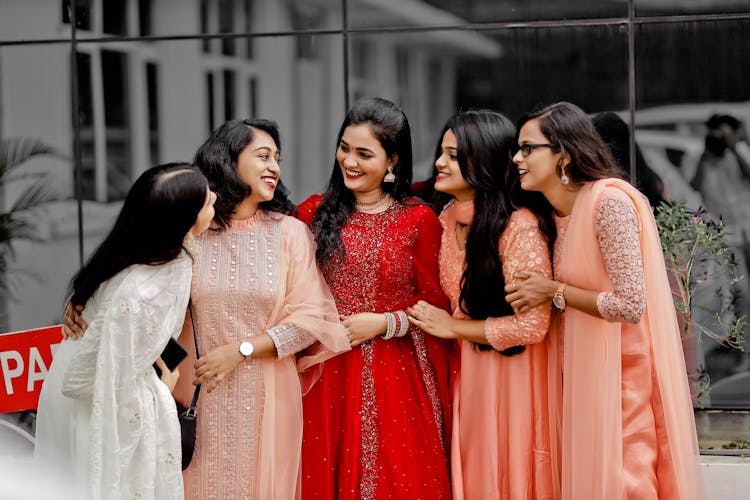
(509, 70)
(404, 13)
(209, 99)
(86, 172)
(678, 7)
(115, 17)
(305, 97)
(40, 19)
(152, 89)
(686, 72)
(35, 105)
(229, 95)
(244, 16)
(226, 25)
(144, 17)
(117, 119)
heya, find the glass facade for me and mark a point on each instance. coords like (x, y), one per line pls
(117, 86)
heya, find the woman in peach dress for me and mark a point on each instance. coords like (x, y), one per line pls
(500, 442)
(619, 395)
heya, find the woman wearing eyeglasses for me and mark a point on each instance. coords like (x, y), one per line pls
(618, 387)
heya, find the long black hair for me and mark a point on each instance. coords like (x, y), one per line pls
(159, 210)
(391, 128)
(484, 141)
(217, 159)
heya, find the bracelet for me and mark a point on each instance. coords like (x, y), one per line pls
(390, 331)
(403, 326)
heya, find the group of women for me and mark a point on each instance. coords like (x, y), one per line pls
(432, 362)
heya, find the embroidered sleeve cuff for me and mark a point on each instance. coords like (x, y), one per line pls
(290, 339)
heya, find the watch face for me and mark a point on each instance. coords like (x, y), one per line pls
(558, 301)
(246, 349)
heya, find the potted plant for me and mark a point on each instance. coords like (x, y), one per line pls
(704, 279)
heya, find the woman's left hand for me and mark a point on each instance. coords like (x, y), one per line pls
(431, 319)
(362, 327)
(212, 367)
(529, 291)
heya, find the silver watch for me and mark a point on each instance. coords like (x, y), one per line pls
(247, 349)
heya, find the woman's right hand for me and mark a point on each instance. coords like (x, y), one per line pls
(168, 377)
(73, 324)
(212, 367)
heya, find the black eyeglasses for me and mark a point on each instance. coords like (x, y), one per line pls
(527, 148)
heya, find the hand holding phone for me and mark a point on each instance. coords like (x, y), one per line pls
(172, 356)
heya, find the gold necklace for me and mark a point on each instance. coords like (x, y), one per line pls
(374, 208)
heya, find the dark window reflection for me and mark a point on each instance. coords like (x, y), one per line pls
(210, 109)
(680, 7)
(86, 123)
(117, 120)
(145, 27)
(152, 89)
(585, 65)
(226, 25)
(204, 22)
(229, 95)
(114, 17)
(83, 13)
(249, 27)
(252, 96)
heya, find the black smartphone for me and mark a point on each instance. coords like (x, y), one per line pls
(172, 355)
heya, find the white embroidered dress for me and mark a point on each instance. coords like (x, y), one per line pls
(103, 413)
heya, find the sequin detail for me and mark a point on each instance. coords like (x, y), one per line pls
(235, 285)
(289, 339)
(617, 229)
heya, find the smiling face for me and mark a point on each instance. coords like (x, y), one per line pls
(449, 179)
(537, 171)
(363, 162)
(258, 166)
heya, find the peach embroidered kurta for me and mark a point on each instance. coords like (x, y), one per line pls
(500, 445)
(618, 386)
(257, 276)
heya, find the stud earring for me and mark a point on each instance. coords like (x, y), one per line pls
(390, 176)
(564, 178)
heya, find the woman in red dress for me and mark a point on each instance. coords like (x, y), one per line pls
(377, 421)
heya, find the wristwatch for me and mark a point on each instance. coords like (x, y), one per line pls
(246, 349)
(559, 299)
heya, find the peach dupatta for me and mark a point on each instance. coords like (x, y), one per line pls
(587, 388)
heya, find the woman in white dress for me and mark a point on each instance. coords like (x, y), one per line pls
(104, 416)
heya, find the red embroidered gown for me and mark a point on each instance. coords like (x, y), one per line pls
(377, 422)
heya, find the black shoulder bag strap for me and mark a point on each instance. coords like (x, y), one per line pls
(191, 411)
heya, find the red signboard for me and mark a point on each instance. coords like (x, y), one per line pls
(25, 358)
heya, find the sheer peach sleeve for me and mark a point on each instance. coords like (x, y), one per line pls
(618, 232)
(522, 248)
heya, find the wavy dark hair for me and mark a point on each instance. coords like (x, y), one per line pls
(391, 128)
(217, 159)
(159, 210)
(573, 133)
(484, 141)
